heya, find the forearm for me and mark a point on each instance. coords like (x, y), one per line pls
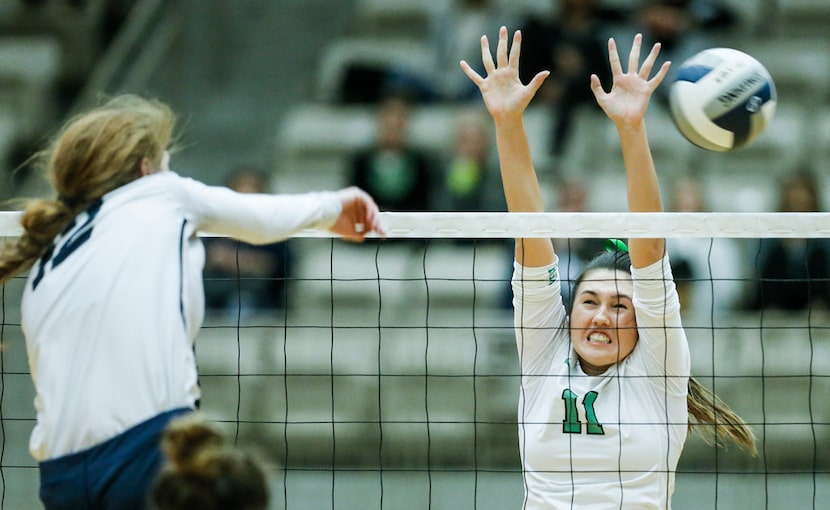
(261, 219)
(642, 188)
(521, 186)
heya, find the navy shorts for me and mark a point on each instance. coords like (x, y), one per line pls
(117, 474)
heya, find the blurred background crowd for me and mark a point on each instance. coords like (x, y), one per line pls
(297, 95)
(310, 95)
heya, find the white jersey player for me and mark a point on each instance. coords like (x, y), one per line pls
(121, 295)
(606, 391)
(115, 298)
(634, 413)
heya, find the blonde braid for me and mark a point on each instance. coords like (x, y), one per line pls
(715, 421)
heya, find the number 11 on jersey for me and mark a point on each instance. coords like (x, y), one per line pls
(571, 423)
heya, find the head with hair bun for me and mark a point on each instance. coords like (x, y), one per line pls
(202, 471)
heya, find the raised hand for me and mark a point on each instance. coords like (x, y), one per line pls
(506, 99)
(502, 90)
(631, 91)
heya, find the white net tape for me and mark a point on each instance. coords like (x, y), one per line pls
(475, 225)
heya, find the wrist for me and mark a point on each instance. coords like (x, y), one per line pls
(509, 120)
(630, 128)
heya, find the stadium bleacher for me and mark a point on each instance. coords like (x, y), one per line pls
(318, 135)
(46, 51)
(800, 65)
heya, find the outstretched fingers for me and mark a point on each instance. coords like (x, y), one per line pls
(614, 58)
(634, 63)
(634, 55)
(537, 81)
(648, 63)
(486, 57)
(596, 87)
(515, 48)
(500, 86)
(501, 50)
(504, 57)
(658, 78)
(471, 73)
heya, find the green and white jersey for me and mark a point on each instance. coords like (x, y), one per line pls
(600, 442)
(111, 311)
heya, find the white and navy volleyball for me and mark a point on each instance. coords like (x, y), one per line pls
(722, 99)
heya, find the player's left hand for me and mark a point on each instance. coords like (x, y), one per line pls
(502, 91)
(631, 91)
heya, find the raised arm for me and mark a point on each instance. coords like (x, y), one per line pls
(506, 99)
(626, 106)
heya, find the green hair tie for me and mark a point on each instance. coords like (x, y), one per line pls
(613, 245)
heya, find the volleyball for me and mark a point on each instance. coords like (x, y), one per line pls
(722, 99)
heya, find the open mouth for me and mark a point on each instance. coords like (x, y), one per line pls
(599, 338)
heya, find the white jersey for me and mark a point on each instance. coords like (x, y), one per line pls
(111, 313)
(600, 442)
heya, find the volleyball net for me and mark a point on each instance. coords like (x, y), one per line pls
(388, 376)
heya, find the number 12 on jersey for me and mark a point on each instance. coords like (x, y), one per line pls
(75, 238)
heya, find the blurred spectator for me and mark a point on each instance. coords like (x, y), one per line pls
(394, 172)
(683, 28)
(470, 176)
(244, 276)
(572, 45)
(794, 274)
(708, 272)
(455, 28)
(455, 32)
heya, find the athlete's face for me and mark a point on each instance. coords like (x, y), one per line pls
(603, 325)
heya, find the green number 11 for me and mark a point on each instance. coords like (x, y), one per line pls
(571, 424)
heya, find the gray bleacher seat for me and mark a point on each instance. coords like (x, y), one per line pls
(396, 17)
(314, 140)
(752, 20)
(820, 140)
(799, 66)
(785, 408)
(672, 153)
(410, 53)
(742, 180)
(77, 26)
(8, 132)
(801, 17)
(407, 276)
(384, 18)
(747, 179)
(367, 358)
(30, 67)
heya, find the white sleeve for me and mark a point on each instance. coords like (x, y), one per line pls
(657, 305)
(539, 314)
(257, 218)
